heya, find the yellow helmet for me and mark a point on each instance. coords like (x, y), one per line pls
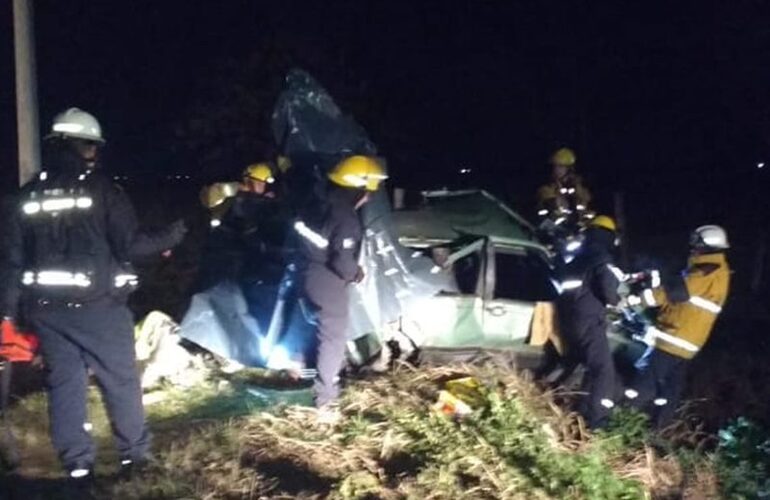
(604, 222)
(361, 172)
(563, 156)
(260, 172)
(216, 194)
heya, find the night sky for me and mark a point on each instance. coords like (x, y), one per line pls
(666, 102)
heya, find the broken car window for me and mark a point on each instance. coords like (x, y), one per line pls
(522, 276)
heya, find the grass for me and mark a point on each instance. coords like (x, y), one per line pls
(217, 441)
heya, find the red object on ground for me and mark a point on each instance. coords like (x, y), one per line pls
(16, 346)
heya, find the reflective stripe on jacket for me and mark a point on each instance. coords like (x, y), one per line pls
(561, 196)
(686, 326)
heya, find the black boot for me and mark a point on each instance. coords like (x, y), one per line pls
(131, 468)
(80, 481)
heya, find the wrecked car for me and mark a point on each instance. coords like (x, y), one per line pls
(461, 272)
(499, 278)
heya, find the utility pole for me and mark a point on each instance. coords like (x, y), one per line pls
(26, 90)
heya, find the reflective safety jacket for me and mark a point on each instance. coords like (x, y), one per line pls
(589, 283)
(71, 236)
(330, 239)
(682, 328)
(556, 199)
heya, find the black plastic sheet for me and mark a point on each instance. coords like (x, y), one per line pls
(314, 134)
(306, 121)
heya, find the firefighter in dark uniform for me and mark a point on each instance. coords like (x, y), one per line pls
(589, 284)
(229, 201)
(248, 224)
(71, 241)
(330, 240)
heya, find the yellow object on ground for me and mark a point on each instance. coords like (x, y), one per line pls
(468, 390)
(460, 397)
(451, 406)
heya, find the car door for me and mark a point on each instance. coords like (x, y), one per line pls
(517, 277)
(447, 321)
(452, 318)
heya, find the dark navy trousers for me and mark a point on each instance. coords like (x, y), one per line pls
(328, 297)
(657, 388)
(98, 337)
(587, 343)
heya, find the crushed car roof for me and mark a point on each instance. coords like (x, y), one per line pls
(447, 216)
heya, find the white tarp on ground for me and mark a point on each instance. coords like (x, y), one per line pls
(157, 343)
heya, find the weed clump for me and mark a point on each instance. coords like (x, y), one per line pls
(743, 461)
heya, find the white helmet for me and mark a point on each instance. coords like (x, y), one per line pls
(710, 237)
(78, 124)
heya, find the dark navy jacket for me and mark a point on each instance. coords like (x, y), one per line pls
(72, 221)
(588, 282)
(330, 237)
